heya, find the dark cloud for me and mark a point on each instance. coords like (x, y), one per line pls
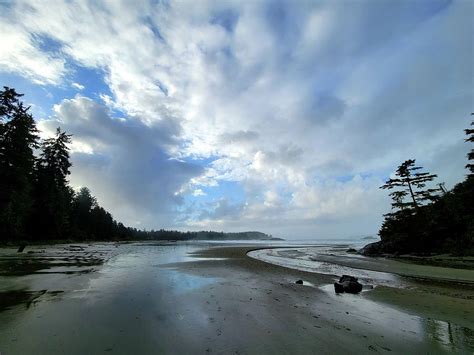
(239, 137)
(127, 165)
(222, 209)
(227, 18)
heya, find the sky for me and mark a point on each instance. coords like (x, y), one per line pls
(279, 116)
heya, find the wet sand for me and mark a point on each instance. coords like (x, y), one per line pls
(197, 298)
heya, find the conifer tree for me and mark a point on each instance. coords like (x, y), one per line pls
(53, 194)
(470, 155)
(410, 183)
(18, 139)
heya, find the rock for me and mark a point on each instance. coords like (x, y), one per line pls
(345, 278)
(347, 284)
(21, 248)
(338, 287)
(371, 249)
(351, 250)
(299, 282)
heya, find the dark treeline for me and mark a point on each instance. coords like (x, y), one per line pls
(201, 235)
(36, 200)
(428, 220)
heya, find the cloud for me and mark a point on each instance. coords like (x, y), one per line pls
(78, 86)
(21, 54)
(199, 192)
(124, 162)
(305, 105)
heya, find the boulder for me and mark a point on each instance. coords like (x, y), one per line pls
(371, 249)
(345, 278)
(351, 250)
(299, 282)
(338, 287)
(347, 284)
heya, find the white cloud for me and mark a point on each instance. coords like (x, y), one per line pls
(199, 192)
(20, 54)
(77, 86)
(300, 104)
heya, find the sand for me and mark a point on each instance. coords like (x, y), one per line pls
(199, 299)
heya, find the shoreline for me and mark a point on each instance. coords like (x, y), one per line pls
(201, 298)
(400, 267)
(432, 298)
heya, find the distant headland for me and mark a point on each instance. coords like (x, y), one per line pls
(207, 235)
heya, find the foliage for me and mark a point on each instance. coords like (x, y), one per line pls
(470, 155)
(36, 200)
(18, 139)
(433, 220)
(411, 181)
(53, 196)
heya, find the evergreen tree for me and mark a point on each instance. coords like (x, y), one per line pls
(84, 202)
(35, 196)
(82, 205)
(53, 194)
(470, 155)
(410, 183)
(18, 139)
(54, 160)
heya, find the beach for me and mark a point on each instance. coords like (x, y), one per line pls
(199, 297)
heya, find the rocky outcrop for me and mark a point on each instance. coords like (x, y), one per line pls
(348, 284)
(371, 249)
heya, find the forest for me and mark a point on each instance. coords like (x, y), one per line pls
(37, 203)
(427, 219)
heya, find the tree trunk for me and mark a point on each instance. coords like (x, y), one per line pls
(412, 194)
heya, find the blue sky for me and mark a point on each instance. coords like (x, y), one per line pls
(279, 116)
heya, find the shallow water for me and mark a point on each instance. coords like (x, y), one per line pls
(132, 298)
(305, 259)
(130, 294)
(334, 260)
(324, 260)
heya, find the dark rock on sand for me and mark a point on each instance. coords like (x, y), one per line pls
(299, 282)
(371, 249)
(351, 250)
(347, 284)
(21, 248)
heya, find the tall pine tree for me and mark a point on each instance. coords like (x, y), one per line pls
(53, 195)
(470, 155)
(410, 183)
(18, 139)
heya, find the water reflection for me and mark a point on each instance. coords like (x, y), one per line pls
(449, 336)
(452, 337)
(136, 301)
